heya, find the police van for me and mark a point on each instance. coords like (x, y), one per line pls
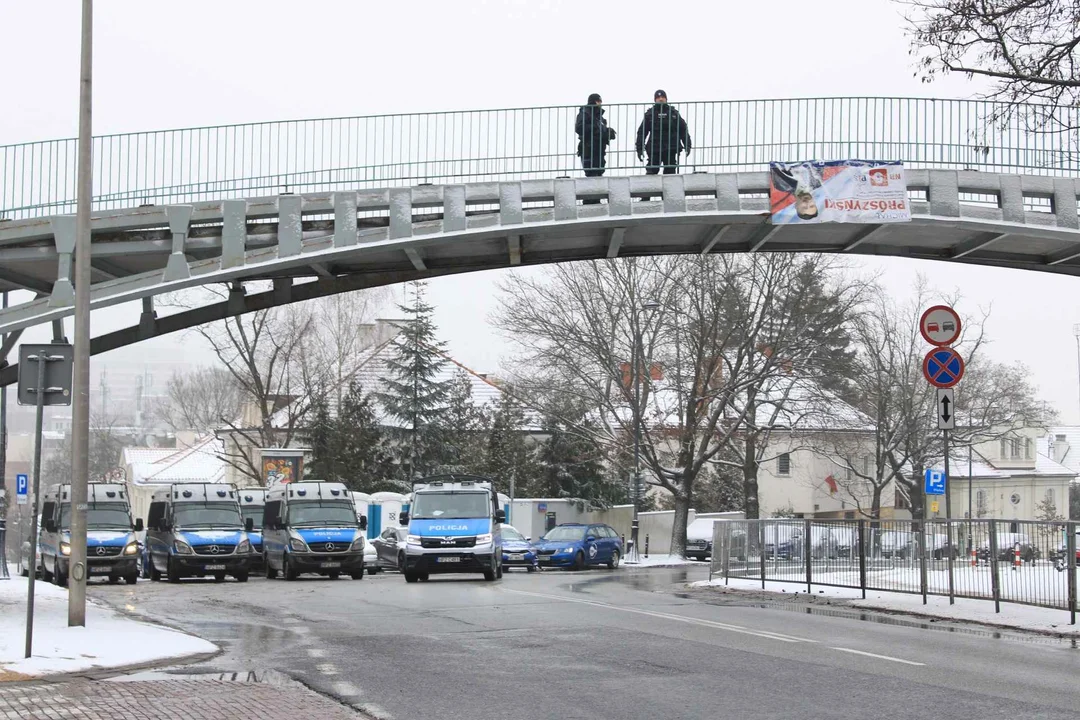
(312, 527)
(252, 503)
(453, 523)
(111, 548)
(196, 530)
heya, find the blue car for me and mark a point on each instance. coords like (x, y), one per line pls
(517, 551)
(577, 546)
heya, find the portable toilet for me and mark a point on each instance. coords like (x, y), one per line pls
(504, 503)
(361, 502)
(385, 511)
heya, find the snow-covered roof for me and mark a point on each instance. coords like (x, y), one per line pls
(199, 463)
(983, 468)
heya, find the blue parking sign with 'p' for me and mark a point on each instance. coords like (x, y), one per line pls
(935, 482)
(22, 488)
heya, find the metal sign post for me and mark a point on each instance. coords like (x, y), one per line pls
(44, 376)
(943, 368)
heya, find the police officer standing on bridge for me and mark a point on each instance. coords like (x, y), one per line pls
(662, 135)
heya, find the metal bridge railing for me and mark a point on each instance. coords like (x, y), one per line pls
(1025, 562)
(187, 165)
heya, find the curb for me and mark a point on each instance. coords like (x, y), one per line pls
(105, 673)
(859, 604)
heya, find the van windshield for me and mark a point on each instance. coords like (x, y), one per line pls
(255, 512)
(322, 513)
(451, 505)
(207, 515)
(100, 516)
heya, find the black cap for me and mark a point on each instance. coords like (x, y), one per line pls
(594, 98)
(659, 94)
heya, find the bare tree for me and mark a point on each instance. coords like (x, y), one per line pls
(993, 401)
(1027, 49)
(588, 327)
(202, 399)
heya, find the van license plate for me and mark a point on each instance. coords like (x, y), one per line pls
(517, 556)
(448, 559)
(330, 565)
(100, 570)
(214, 567)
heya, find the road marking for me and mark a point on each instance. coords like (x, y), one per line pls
(677, 618)
(327, 668)
(316, 652)
(879, 657)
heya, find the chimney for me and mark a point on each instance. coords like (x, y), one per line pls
(1060, 448)
(385, 329)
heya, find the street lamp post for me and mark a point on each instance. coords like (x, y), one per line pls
(635, 368)
(1076, 334)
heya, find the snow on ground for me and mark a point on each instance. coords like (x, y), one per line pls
(981, 611)
(109, 639)
(655, 560)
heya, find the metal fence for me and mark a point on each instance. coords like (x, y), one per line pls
(526, 143)
(1027, 562)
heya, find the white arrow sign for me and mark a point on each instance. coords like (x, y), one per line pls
(946, 409)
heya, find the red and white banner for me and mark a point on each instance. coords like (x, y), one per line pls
(844, 191)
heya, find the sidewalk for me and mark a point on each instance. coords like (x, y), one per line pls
(109, 640)
(1012, 615)
(196, 699)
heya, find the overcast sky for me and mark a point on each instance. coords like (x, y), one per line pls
(175, 64)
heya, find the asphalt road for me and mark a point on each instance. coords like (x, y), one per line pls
(625, 644)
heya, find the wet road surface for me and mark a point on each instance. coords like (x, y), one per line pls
(626, 644)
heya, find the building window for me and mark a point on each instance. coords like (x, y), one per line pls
(849, 515)
(1015, 447)
(1059, 438)
(900, 501)
(866, 465)
(1049, 496)
(1004, 449)
(980, 504)
(1027, 448)
(783, 464)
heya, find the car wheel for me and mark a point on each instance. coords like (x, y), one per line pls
(271, 573)
(334, 575)
(132, 579)
(219, 577)
(498, 570)
(172, 571)
(614, 562)
(45, 574)
(424, 577)
(241, 576)
(531, 568)
(155, 575)
(359, 575)
(411, 577)
(114, 579)
(58, 577)
(22, 569)
(287, 568)
(579, 561)
(401, 562)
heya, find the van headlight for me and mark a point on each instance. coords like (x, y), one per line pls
(131, 549)
(297, 544)
(65, 548)
(484, 539)
(357, 543)
(182, 548)
(243, 548)
(412, 539)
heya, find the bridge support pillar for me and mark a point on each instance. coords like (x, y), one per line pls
(148, 318)
(63, 292)
(344, 219)
(179, 218)
(233, 233)
(290, 225)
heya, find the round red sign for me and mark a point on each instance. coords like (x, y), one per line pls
(940, 325)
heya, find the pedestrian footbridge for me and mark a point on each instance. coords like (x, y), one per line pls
(501, 208)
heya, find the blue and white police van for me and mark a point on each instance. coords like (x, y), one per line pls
(196, 530)
(111, 548)
(453, 523)
(312, 527)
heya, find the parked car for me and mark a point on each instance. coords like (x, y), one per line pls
(517, 550)
(1006, 544)
(23, 566)
(573, 545)
(390, 548)
(1061, 554)
(699, 537)
(371, 559)
(897, 544)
